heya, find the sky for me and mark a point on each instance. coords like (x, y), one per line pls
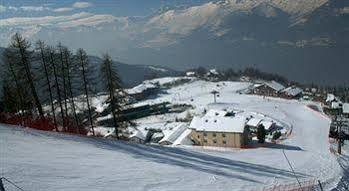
(36, 8)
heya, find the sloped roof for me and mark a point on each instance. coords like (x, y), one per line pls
(173, 136)
(253, 122)
(266, 124)
(292, 91)
(275, 85)
(219, 124)
(137, 134)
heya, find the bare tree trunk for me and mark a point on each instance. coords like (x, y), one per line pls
(63, 74)
(71, 90)
(57, 86)
(42, 52)
(86, 90)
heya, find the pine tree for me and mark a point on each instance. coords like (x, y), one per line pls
(69, 68)
(112, 86)
(63, 76)
(41, 48)
(13, 87)
(261, 133)
(22, 46)
(58, 90)
(84, 64)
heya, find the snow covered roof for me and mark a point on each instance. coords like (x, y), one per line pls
(137, 134)
(190, 74)
(214, 72)
(213, 113)
(141, 87)
(292, 91)
(267, 124)
(275, 85)
(336, 105)
(253, 122)
(346, 108)
(175, 133)
(332, 97)
(219, 124)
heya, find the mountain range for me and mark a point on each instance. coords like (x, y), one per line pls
(304, 40)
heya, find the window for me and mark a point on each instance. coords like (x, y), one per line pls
(205, 140)
(198, 136)
(223, 135)
(224, 142)
(214, 135)
(214, 141)
(205, 134)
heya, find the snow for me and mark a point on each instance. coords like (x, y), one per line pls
(48, 161)
(214, 113)
(138, 134)
(253, 122)
(142, 87)
(266, 124)
(292, 91)
(275, 85)
(219, 124)
(172, 136)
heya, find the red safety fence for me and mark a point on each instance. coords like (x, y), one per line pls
(44, 124)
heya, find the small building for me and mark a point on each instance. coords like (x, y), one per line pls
(255, 122)
(292, 92)
(272, 89)
(137, 137)
(173, 135)
(219, 131)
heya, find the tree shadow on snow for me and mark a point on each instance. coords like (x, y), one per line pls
(180, 157)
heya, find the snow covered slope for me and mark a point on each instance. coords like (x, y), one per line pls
(48, 161)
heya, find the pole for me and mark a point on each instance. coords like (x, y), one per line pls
(320, 185)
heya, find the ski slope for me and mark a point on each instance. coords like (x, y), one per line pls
(48, 161)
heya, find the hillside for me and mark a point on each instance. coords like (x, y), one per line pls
(36, 166)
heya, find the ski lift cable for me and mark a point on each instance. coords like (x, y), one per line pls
(294, 173)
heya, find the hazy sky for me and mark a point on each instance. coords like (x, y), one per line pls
(25, 8)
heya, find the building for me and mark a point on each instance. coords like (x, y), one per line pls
(255, 122)
(137, 137)
(219, 131)
(173, 135)
(292, 92)
(272, 89)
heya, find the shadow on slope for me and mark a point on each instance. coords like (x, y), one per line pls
(180, 157)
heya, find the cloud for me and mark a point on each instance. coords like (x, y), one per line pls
(81, 5)
(63, 9)
(67, 21)
(32, 8)
(2, 8)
